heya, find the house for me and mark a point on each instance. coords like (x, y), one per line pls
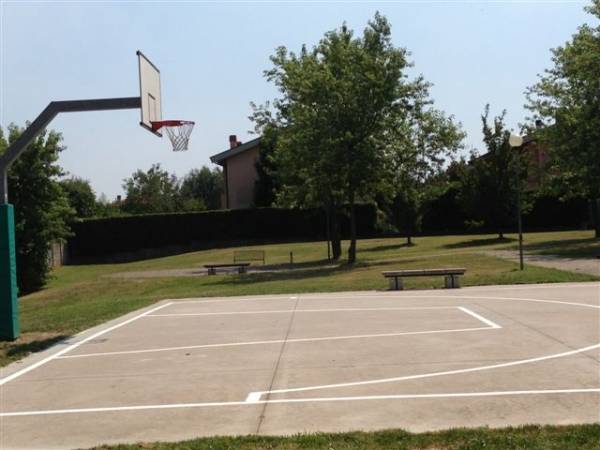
(239, 173)
(537, 158)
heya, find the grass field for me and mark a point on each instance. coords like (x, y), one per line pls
(580, 437)
(79, 297)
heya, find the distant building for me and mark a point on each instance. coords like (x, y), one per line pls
(537, 159)
(239, 173)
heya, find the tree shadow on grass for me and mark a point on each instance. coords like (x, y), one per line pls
(383, 248)
(568, 248)
(296, 265)
(324, 270)
(480, 242)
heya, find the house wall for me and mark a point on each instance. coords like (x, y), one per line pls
(537, 155)
(241, 176)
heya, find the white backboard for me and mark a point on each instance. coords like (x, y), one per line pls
(149, 93)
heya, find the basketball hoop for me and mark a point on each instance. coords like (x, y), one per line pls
(178, 131)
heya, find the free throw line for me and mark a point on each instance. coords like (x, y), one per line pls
(275, 341)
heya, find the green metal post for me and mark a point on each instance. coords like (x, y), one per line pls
(9, 312)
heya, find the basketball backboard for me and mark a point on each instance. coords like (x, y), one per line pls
(149, 93)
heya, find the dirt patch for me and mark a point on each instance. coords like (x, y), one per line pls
(577, 265)
(201, 271)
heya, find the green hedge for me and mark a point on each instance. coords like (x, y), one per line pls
(97, 239)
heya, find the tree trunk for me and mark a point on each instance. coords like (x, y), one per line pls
(409, 240)
(595, 210)
(328, 232)
(352, 248)
(334, 232)
(500, 235)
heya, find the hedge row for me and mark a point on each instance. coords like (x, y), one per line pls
(98, 239)
(445, 215)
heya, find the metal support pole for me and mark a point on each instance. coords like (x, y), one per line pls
(9, 316)
(520, 228)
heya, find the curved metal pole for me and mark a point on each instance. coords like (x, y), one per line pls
(9, 311)
(41, 122)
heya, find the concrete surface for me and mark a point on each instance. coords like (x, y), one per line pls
(419, 360)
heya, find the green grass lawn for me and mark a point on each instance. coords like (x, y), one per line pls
(78, 297)
(576, 437)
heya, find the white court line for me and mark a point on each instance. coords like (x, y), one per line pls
(254, 396)
(229, 299)
(277, 341)
(458, 297)
(388, 296)
(75, 345)
(280, 311)
(300, 400)
(478, 317)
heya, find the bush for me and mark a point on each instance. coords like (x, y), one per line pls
(97, 239)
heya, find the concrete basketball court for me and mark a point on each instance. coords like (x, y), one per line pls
(418, 360)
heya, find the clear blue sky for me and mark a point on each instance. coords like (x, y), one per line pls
(212, 55)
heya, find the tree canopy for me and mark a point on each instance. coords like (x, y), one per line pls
(566, 99)
(346, 110)
(42, 209)
(81, 196)
(153, 191)
(203, 185)
(492, 184)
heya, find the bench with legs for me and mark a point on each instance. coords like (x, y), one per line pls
(451, 276)
(212, 268)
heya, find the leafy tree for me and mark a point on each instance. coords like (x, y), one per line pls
(338, 103)
(424, 139)
(204, 186)
(81, 196)
(154, 191)
(41, 207)
(492, 186)
(107, 208)
(566, 99)
(267, 184)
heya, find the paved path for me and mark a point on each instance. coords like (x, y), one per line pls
(577, 265)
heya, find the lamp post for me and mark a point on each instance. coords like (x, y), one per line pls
(516, 141)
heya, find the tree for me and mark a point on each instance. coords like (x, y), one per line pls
(424, 139)
(41, 207)
(107, 208)
(492, 185)
(204, 186)
(81, 196)
(566, 99)
(267, 183)
(154, 191)
(338, 102)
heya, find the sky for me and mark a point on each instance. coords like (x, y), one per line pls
(212, 55)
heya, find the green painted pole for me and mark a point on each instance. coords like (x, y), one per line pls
(9, 308)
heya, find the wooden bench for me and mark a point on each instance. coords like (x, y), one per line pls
(249, 255)
(451, 275)
(212, 268)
